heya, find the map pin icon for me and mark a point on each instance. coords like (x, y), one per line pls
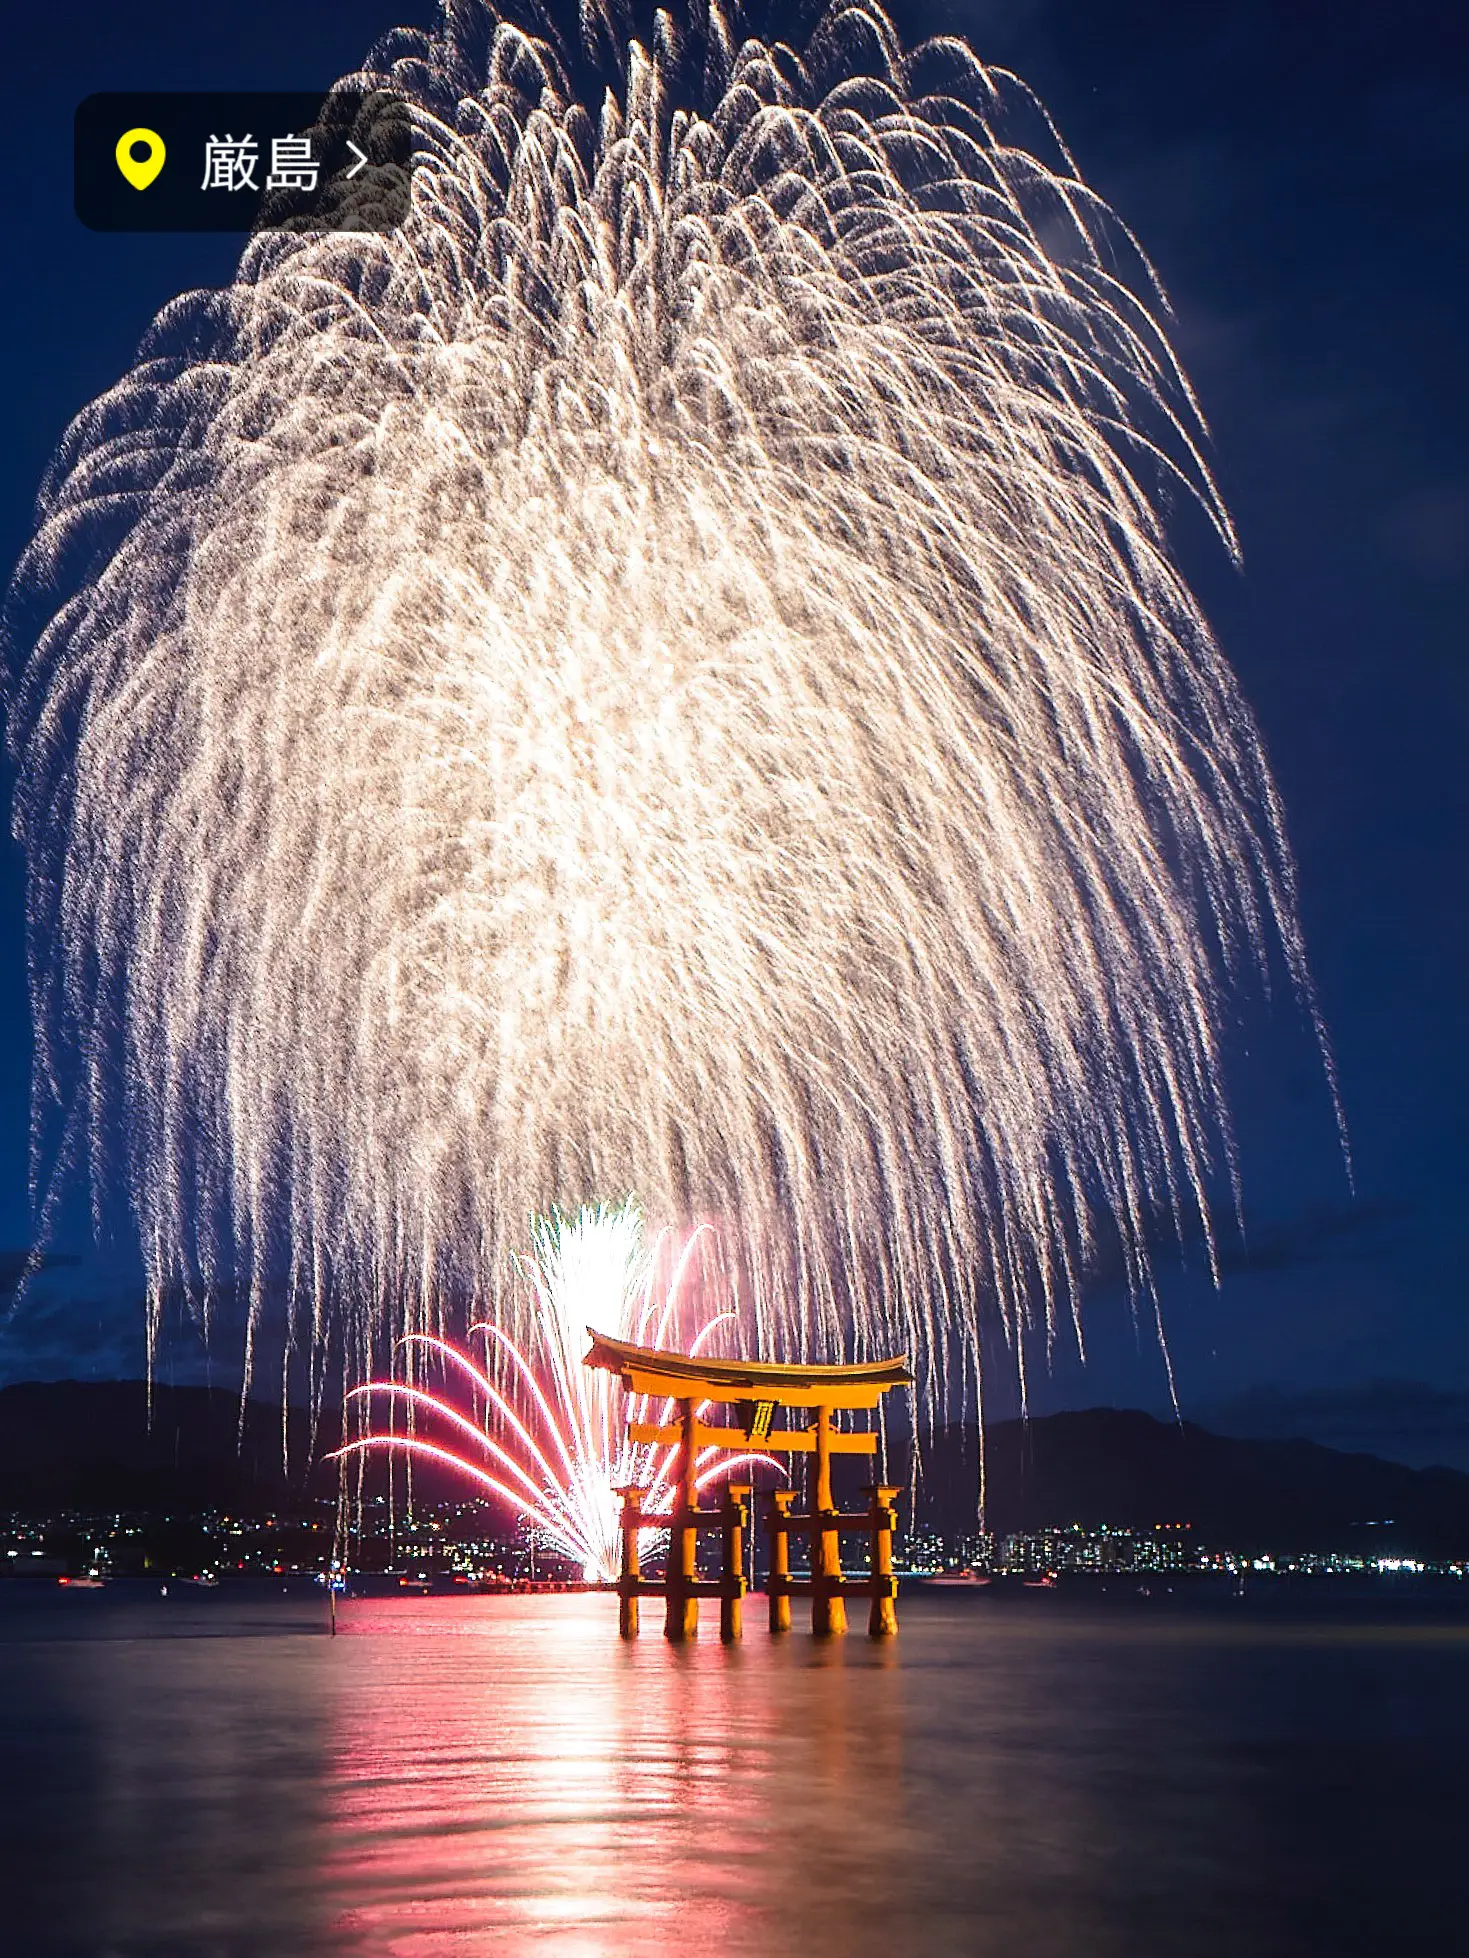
(140, 174)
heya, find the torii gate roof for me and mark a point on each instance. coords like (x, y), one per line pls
(686, 1376)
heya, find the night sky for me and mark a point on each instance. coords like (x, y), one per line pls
(1297, 173)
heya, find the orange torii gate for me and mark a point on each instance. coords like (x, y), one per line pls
(754, 1391)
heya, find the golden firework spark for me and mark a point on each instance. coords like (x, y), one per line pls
(663, 674)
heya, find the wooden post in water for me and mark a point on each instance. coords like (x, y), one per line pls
(681, 1620)
(732, 1574)
(882, 1620)
(828, 1606)
(632, 1563)
(780, 1559)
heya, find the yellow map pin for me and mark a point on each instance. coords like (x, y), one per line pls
(140, 175)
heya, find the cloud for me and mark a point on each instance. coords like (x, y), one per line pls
(1329, 1234)
(1412, 1421)
(1316, 1236)
(18, 1265)
(66, 1337)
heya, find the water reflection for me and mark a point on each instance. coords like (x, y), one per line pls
(1067, 1785)
(162, 1778)
(464, 1776)
(523, 1773)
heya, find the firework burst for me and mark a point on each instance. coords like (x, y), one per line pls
(664, 674)
(557, 1453)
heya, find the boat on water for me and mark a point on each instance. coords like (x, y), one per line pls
(91, 1582)
(962, 1579)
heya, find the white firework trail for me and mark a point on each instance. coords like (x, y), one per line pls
(665, 673)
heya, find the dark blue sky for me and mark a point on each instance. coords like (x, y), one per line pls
(1297, 173)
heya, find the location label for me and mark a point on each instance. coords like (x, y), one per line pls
(243, 160)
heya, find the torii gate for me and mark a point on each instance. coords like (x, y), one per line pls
(754, 1391)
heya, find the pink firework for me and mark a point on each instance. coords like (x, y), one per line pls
(542, 1432)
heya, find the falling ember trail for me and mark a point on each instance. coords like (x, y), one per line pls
(665, 674)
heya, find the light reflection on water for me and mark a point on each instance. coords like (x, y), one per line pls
(217, 1779)
(558, 1786)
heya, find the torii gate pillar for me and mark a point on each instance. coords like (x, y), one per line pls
(828, 1606)
(681, 1617)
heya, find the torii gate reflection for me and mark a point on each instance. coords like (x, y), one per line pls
(754, 1391)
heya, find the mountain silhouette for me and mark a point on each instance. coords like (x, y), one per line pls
(1110, 1466)
(102, 1445)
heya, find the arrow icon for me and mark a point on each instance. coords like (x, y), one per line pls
(361, 156)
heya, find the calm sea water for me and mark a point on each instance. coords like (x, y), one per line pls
(447, 1777)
